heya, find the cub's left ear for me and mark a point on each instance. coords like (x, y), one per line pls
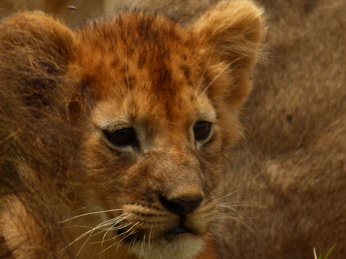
(234, 30)
(35, 50)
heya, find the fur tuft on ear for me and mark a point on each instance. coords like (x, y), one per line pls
(35, 51)
(38, 31)
(234, 29)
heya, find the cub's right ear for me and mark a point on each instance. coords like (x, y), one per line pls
(234, 29)
(34, 52)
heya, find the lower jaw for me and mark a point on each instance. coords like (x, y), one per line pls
(169, 246)
(174, 237)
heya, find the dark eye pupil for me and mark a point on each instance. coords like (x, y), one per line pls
(121, 137)
(201, 130)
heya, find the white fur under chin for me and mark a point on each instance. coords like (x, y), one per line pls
(186, 247)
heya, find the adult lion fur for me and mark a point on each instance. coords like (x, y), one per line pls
(294, 156)
(74, 12)
(115, 135)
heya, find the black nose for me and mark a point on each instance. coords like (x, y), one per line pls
(181, 207)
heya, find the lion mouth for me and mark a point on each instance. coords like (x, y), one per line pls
(179, 230)
(171, 234)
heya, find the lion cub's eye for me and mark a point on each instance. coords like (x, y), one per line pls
(121, 137)
(201, 130)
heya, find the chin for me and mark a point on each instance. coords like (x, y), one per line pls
(185, 246)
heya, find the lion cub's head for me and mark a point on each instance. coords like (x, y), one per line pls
(155, 104)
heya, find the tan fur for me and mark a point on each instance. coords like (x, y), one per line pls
(71, 12)
(71, 192)
(74, 12)
(294, 157)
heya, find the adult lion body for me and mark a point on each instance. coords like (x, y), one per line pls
(73, 12)
(294, 157)
(115, 136)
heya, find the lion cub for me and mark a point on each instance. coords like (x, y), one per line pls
(115, 135)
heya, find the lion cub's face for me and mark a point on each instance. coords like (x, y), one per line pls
(163, 113)
(156, 111)
(154, 150)
(156, 157)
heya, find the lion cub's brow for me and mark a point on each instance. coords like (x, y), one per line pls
(114, 123)
(112, 114)
(108, 117)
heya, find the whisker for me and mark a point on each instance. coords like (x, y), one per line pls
(101, 242)
(81, 248)
(92, 234)
(143, 244)
(131, 233)
(78, 226)
(106, 230)
(105, 223)
(99, 226)
(90, 213)
(105, 234)
(125, 235)
(150, 231)
(228, 195)
(107, 248)
(132, 243)
(227, 205)
(241, 221)
(232, 209)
